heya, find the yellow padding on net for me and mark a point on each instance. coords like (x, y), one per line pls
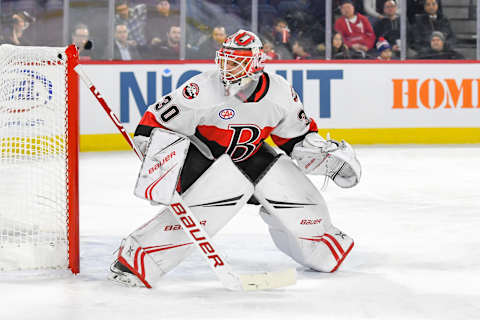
(35, 146)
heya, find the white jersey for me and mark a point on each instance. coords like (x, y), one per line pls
(232, 124)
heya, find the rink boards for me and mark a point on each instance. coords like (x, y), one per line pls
(363, 103)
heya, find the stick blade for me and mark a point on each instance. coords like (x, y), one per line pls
(268, 280)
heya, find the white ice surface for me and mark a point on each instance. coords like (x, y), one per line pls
(415, 218)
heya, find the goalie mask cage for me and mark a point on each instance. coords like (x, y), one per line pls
(38, 158)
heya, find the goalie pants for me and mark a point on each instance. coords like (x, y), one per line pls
(294, 210)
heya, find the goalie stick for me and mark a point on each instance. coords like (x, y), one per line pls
(182, 213)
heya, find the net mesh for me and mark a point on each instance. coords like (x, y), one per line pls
(33, 158)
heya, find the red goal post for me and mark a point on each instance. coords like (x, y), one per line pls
(39, 221)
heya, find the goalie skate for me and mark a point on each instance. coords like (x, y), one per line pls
(119, 274)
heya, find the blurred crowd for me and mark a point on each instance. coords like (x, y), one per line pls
(361, 29)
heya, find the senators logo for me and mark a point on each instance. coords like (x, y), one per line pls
(191, 91)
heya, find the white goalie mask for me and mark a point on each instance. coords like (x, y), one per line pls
(240, 57)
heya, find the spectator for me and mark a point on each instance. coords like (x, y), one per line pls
(416, 7)
(281, 32)
(170, 49)
(80, 36)
(14, 33)
(135, 20)
(432, 20)
(439, 49)
(281, 39)
(301, 50)
(339, 48)
(160, 22)
(389, 26)
(384, 50)
(375, 8)
(269, 50)
(122, 50)
(356, 30)
(208, 48)
(358, 4)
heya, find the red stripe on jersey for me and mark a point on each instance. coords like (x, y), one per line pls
(148, 119)
(279, 141)
(224, 136)
(212, 133)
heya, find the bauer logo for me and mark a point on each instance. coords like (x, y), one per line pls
(226, 114)
(162, 162)
(310, 221)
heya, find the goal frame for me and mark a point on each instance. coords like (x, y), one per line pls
(72, 160)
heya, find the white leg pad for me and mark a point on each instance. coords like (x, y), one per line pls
(298, 218)
(215, 198)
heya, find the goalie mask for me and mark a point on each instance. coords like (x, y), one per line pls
(240, 57)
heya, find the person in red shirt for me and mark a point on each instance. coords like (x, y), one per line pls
(355, 28)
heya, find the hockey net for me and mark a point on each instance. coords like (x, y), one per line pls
(38, 158)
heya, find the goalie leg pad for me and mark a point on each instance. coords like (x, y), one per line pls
(214, 198)
(298, 218)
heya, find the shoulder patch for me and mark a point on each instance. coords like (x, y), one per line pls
(226, 114)
(191, 91)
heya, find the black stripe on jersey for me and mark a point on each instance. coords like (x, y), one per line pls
(143, 130)
(264, 79)
(217, 149)
(288, 146)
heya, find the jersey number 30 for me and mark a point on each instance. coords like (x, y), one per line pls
(169, 113)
